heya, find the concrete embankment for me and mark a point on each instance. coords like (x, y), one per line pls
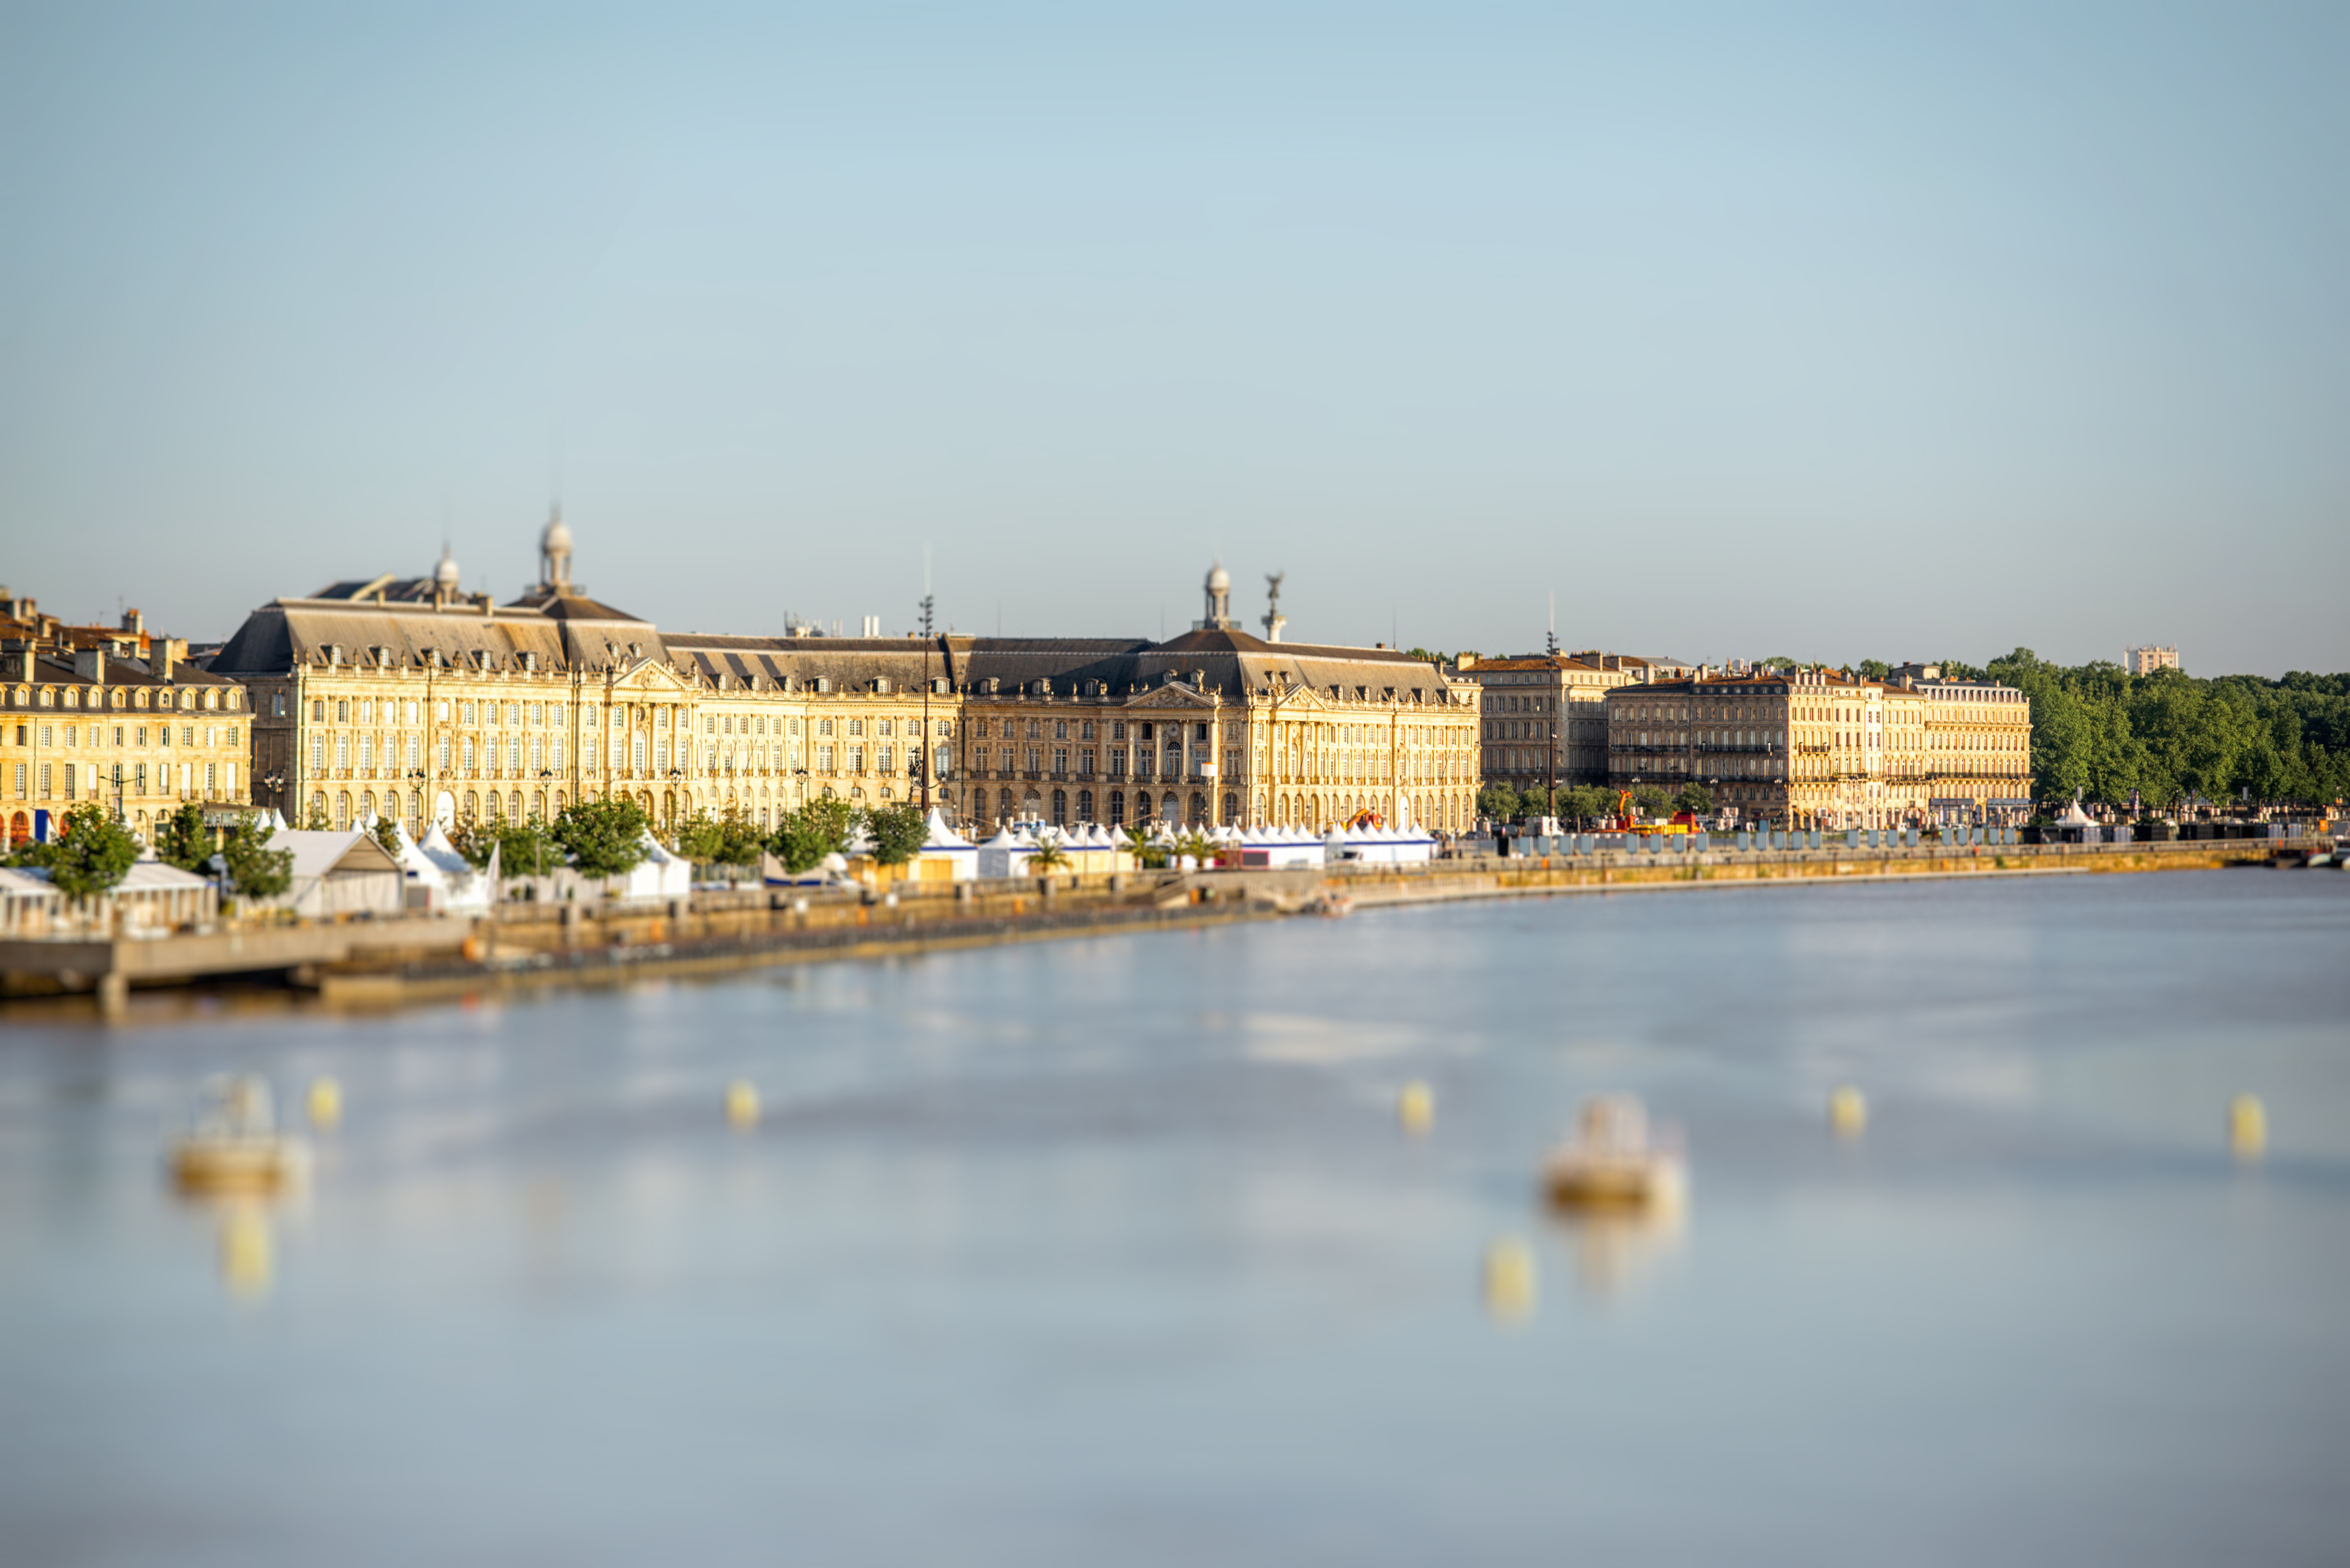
(531, 945)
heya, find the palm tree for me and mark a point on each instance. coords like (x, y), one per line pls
(1048, 857)
(1197, 846)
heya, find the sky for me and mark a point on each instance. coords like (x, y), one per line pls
(1837, 333)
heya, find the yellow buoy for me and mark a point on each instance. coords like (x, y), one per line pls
(1509, 1279)
(326, 1103)
(742, 1103)
(247, 1261)
(1848, 1111)
(1416, 1106)
(2248, 1126)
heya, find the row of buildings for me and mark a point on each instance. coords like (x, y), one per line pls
(411, 698)
(1810, 747)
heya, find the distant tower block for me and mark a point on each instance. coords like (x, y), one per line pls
(1274, 619)
(2147, 660)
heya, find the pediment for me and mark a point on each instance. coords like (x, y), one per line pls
(647, 675)
(1172, 697)
(1300, 697)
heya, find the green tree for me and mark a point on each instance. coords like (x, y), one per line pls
(602, 837)
(1695, 799)
(94, 852)
(1047, 857)
(385, 831)
(528, 848)
(700, 837)
(1498, 801)
(804, 837)
(1652, 800)
(1149, 856)
(898, 831)
(1875, 668)
(1584, 803)
(256, 870)
(181, 839)
(475, 841)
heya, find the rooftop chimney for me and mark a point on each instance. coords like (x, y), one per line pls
(166, 650)
(90, 663)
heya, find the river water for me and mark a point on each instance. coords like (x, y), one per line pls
(1112, 1250)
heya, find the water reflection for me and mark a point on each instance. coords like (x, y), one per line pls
(1097, 1248)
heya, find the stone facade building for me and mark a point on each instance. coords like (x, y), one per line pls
(404, 696)
(1532, 702)
(1825, 749)
(115, 716)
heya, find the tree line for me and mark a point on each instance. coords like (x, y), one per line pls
(2173, 737)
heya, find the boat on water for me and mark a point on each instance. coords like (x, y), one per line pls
(1609, 1161)
(232, 1144)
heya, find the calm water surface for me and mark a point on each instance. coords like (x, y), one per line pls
(1111, 1251)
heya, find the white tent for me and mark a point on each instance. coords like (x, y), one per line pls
(659, 874)
(441, 879)
(1007, 853)
(338, 874)
(946, 855)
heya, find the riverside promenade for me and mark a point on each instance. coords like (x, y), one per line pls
(527, 945)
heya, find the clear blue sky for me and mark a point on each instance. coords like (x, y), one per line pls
(1893, 332)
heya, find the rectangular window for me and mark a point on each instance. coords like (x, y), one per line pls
(1061, 754)
(45, 781)
(824, 758)
(20, 781)
(857, 759)
(1117, 760)
(886, 755)
(1085, 759)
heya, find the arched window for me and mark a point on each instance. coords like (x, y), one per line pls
(1060, 808)
(343, 812)
(1084, 805)
(1231, 806)
(1118, 808)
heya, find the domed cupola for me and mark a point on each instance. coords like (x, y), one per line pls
(555, 555)
(1219, 589)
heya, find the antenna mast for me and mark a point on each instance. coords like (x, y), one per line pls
(923, 753)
